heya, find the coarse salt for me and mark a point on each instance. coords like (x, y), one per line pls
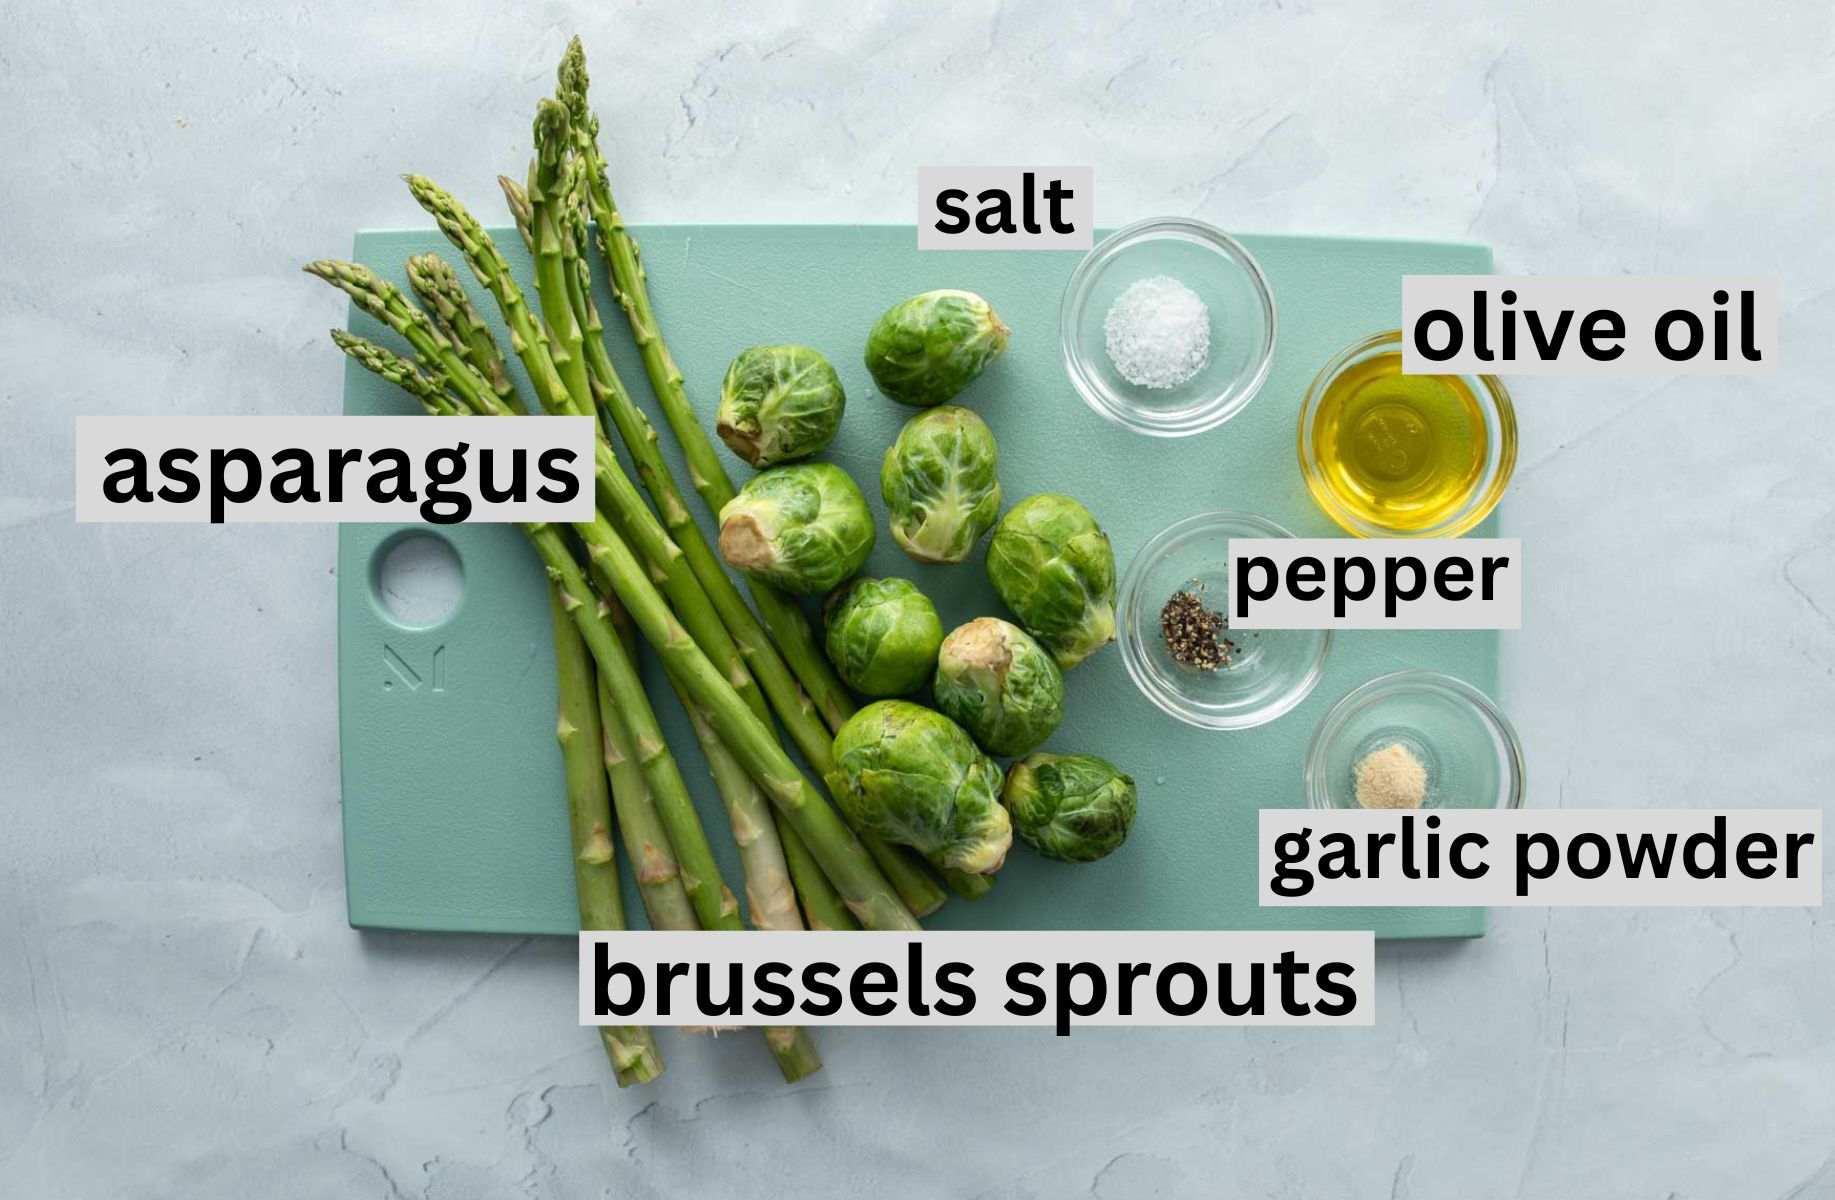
(1158, 333)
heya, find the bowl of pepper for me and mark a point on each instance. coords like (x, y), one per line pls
(1176, 640)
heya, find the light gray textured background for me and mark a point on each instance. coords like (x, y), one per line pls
(182, 1009)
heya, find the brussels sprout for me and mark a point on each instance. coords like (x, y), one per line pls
(939, 484)
(803, 528)
(1073, 807)
(912, 776)
(1000, 685)
(926, 349)
(779, 403)
(883, 635)
(1053, 566)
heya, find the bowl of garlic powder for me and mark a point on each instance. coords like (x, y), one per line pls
(1167, 327)
(1415, 739)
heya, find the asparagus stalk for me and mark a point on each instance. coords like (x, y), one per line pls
(859, 881)
(646, 843)
(854, 874)
(543, 217)
(453, 313)
(806, 663)
(781, 614)
(398, 371)
(822, 904)
(714, 904)
(659, 876)
(547, 192)
(631, 1048)
(792, 1047)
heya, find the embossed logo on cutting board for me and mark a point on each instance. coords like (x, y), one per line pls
(410, 678)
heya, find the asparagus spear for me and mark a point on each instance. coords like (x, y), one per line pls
(714, 904)
(709, 477)
(453, 313)
(820, 901)
(660, 879)
(646, 843)
(547, 192)
(543, 217)
(792, 1047)
(806, 663)
(860, 882)
(631, 1048)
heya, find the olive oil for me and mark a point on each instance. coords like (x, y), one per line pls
(1400, 452)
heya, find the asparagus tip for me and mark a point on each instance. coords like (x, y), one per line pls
(552, 127)
(573, 78)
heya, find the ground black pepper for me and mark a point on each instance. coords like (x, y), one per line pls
(1194, 634)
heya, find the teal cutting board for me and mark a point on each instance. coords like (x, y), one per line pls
(453, 810)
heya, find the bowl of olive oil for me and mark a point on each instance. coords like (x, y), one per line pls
(1393, 455)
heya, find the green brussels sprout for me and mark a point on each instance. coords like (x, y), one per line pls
(924, 350)
(803, 528)
(883, 635)
(1053, 566)
(1000, 685)
(1072, 807)
(939, 484)
(779, 403)
(912, 776)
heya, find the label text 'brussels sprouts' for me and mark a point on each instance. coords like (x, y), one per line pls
(981, 977)
(300, 469)
(1006, 208)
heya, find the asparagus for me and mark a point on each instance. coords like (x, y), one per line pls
(617, 494)
(793, 1048)
(763, 757)
(714, 904)
(543, 216)
(631, 1048)
(807, 673)
(822, 904)
(547, 192)
(453, 313)
(709, 477)
(646, 843)
(859, 881)
(699, 873)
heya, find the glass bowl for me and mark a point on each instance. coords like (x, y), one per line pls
(1271, 670)
(1472, 757)
(1225, 276)
(1481, 497)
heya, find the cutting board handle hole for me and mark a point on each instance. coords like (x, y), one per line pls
(417, 578)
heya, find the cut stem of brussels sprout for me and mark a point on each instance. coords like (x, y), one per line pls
(998, 683)
(803, 527)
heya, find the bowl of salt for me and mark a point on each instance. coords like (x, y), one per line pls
(1167, 327)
